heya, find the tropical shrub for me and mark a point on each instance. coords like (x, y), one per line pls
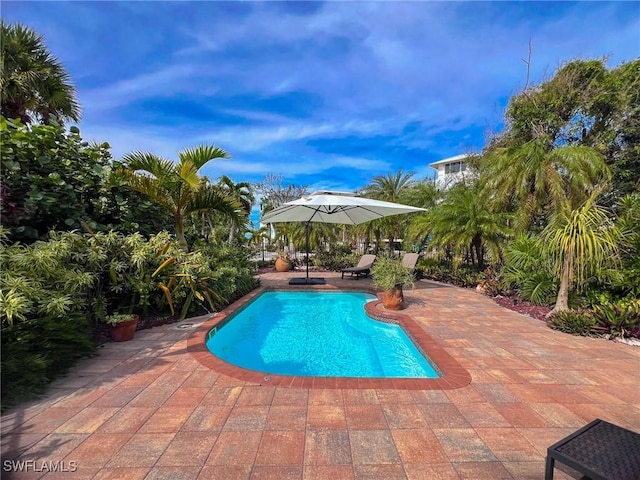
(465, 224)
(527, 272)
(442, 271)
(621, 319)
(575, 322)
(388, 273)
(52, 179)
(54, 294)
(337, 258)
(46, 279)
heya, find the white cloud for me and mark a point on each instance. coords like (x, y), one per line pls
(369, 69)
(164, 82)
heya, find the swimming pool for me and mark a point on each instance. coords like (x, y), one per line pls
(323, 334)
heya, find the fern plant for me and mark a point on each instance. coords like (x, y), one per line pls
(526, 271)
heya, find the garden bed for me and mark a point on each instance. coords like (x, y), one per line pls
(522, 306)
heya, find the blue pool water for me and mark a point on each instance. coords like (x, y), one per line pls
(324, 334)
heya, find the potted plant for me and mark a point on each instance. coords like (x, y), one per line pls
(391, 275)
(283, 262)
(123, 326)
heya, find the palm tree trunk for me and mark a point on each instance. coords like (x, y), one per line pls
(479, 253)
(232, 232)
(182, 241)
(562, 301)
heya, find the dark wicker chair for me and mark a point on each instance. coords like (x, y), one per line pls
(599, 450)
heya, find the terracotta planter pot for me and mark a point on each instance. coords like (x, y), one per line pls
(283, 265)
(124, 331)
(393, 299)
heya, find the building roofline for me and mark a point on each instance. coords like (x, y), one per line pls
(457, 158)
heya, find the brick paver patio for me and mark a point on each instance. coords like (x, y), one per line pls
(149, 409)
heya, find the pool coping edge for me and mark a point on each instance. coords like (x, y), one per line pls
(453, 375)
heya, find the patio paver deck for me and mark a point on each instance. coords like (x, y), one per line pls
(149, 409)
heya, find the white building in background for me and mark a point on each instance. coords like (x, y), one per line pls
(450, 170)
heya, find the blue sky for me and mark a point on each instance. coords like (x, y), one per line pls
(326, 94)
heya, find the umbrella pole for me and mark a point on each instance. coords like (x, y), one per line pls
(307, 248)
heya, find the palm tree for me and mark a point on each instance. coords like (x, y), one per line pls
(258, 237)
(537, 178)
(465, 222)
(580, 241)
(242, 193)
(389, 188)
(423, 194)
(34, 84)
(177, 186)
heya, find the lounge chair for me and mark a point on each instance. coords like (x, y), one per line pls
(363, 268)
(409, 260)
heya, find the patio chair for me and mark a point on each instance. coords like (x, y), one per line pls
(410, 260)
(362, 269)
(599, 450)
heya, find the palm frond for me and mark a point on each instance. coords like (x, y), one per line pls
(210, 199)
(150, 163)
(201, 155)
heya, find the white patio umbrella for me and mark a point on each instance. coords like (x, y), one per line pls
(333, 207)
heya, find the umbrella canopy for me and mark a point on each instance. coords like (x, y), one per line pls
(333, 207)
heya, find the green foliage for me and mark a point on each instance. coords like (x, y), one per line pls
(52, 179)
(465, 223)
(39, 349)
(34, 84)
(584, 104)
(45, 279)
(575, 322)
(337, 258)
(177, 187)
(442, 271)
(586, 236)
(527, 271)
(621, 319)
(117, 318)
(538, 177)
(388, 273)
(627, 283)
(52, 293)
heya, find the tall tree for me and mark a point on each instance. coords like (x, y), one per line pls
(580, 241)
(584, 104)
(178, 187)
(465, 222)
(34, 85)
(538, 178)
(243, 194)
(389, 188)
